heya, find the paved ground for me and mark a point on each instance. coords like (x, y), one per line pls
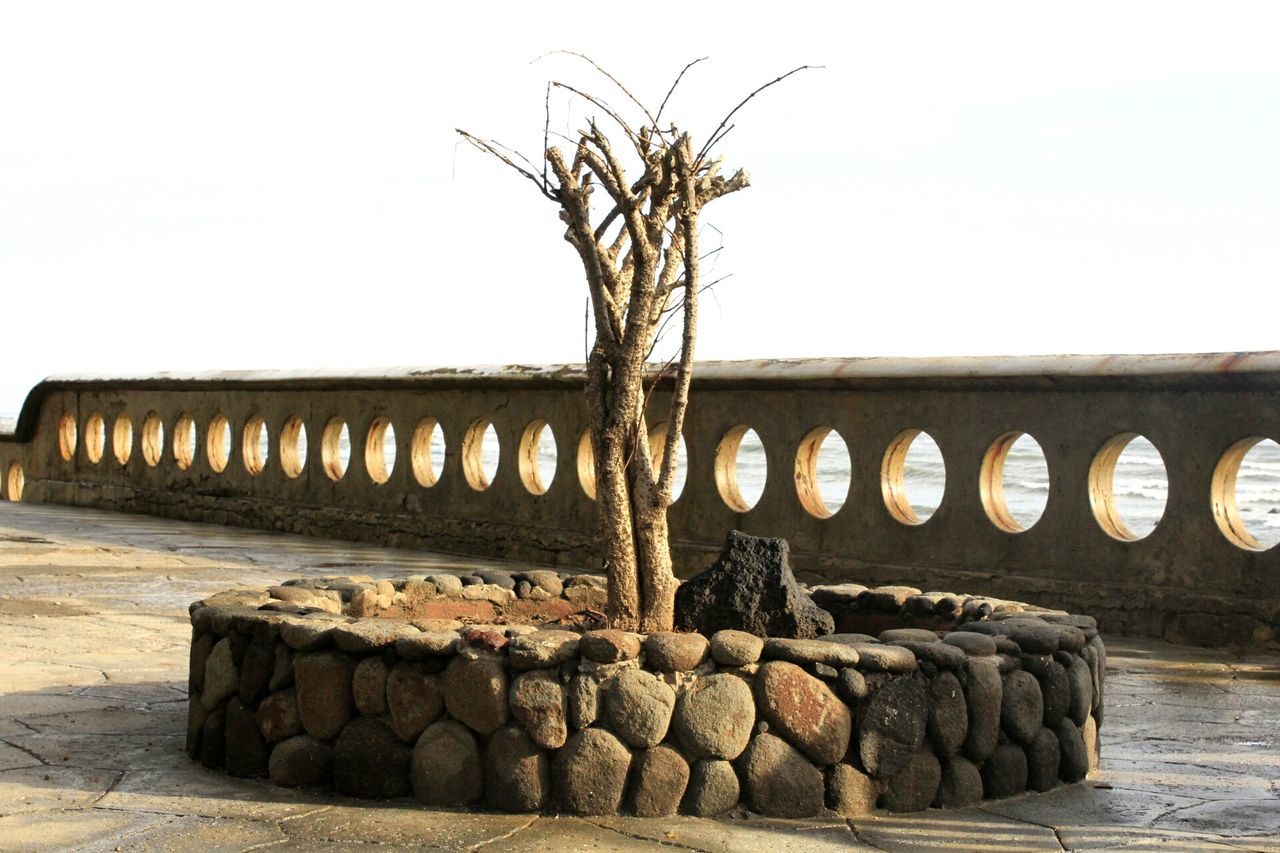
(93, 652)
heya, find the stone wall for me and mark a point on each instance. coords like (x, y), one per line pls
(286, 684)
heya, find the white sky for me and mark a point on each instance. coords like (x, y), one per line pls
(277, 185)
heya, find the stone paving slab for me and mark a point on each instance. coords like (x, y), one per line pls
(93, 657)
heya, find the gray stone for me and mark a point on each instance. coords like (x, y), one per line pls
(475, 692)
(714, 717)
(325, 701)
(196, 715)
(367, 636)
(750, 588)
(804, 710)
(517, 773)
(849, 639)
(1004, 774)
(713, 788)
(1033, 636)
(852, 686)
(538, 703)
(918, 635)
(891, 727)
(609, 646)
(735, 648)
(278, 717)
(221, 675)
(308, 634)
(428, 644)
(584, 701)
(948, 714)
(542, 649)
(414, 698)
(939, 654)
(961, 784)
(498, 578)
(369, 686)
(370, 761)
(886, 599)
(255, 672)
(983, 696)
(213, 738)
(914, 787)
(638, 707)
(839, 595)
(545, 580)
(1054, 686)
(1070, 639)
(301, 762)
(282, 671)
(668, 651)
(1043, 760)
(1074, 763)
(201, 646)
(779, 780)
(850, 792)
(973, 645)
(1081, 680)
(246, 750)
(447, 585)
(447, 769)
(589, 773)
(1021, 706)
(881, 658)
(660, 775)
(810, 651)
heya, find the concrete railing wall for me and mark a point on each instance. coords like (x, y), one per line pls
(1196, 577)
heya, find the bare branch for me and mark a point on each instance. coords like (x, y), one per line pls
(498, 151)
(608, 110)
(743, 103)
(672, 90)
(614, 80)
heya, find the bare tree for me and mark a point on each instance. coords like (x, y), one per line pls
(639, 250)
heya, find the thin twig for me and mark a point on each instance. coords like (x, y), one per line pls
(615, 81)
(670, 91)
(773, 82)
(546, 133)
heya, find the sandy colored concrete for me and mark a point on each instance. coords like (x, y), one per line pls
(93, 657)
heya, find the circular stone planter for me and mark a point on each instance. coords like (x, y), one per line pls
(377, 688)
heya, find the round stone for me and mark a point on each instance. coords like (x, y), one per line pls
(255, 672)
(542, 649)
(589, 773)
(735, 648)
(517, 773)
(1074, 757)
(367, 636)
(301, 762)
(584, 700)
(638, 707)
(1005, 772)
(714, 717)
(1021, 706)
(713, 788)
(414, 699)
(982, 694)
(939, 654)
(369, 685)
(201, 646)
(1089, 732)
(1033, 636)
(609, 646)
(447, 769)
(973, 645)
(1081, 680)
(850, 792)
(661, 775)
(1070, 639)
(961, 785)
(538, 703)
(881, 658)
(892, 727)
(428, 644)
(325, 701)
(810, 652)
(221, 675)
(668, 651)
(446, 585)
(278, 716)
(913, 788)
(780, 781)
(918, 635)
(804, 710)
(1043, 761)
(370, 761)
(475, 692)
(246, 749)
(1055, 688)
(948, 714)
(852, 686)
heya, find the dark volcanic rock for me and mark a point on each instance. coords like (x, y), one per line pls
(370, 761)
(750, 588)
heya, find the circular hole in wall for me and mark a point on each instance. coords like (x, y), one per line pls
(913, 477)
(293, 447)
(14, 482)
(95, 437)
(335, 448)
(184, 441)
(67, 436)
(152, 439)
(657, 453)
(122, 439)
(380, 450)
(823, 472)
(255, 445)
(1014, 482)
(426, 452)
(741, 469)
(218, 443)
(1246, 494)
(1128, 487)
(480, 451)
(537, 457)
(587, 464)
